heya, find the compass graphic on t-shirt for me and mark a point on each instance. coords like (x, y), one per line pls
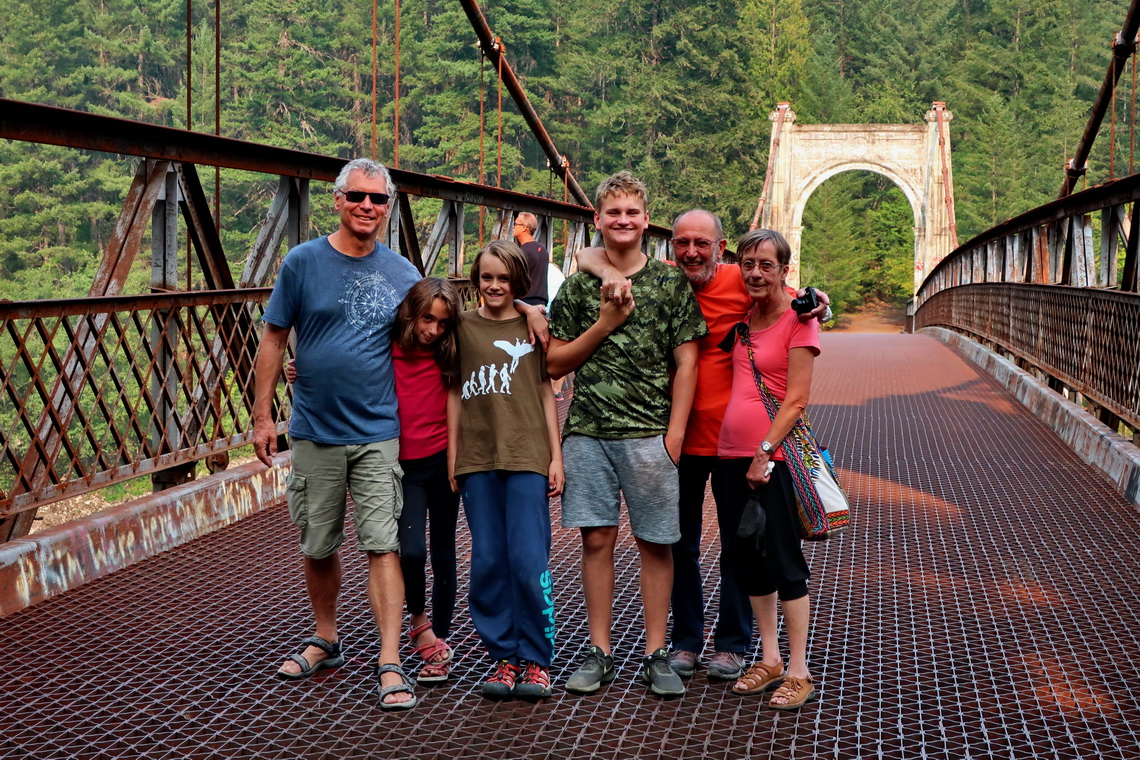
(369, 302)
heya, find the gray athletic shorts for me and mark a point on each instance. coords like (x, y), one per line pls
(600, 471)
(316, 495)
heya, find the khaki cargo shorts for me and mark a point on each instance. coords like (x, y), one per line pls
(323, 474)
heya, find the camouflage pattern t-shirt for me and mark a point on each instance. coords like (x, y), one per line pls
(622, 390)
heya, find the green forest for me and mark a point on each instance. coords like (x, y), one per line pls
(677, 92)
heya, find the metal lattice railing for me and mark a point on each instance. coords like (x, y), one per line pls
(1056, 288)
(1084, 337)
(108, 388)
(121, 387)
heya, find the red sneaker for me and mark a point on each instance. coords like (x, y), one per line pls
(501, 684)
(535, 682)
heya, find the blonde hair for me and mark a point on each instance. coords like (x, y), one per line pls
(622, 183)
(416, 304)
(513, 259)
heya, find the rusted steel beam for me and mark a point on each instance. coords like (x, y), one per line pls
(409, 242)
(456, 239)
(1128, 278)
(202, 231)
(133, 222)
(36, 123)
(10, 310)
(1123, 46)
(259, 263)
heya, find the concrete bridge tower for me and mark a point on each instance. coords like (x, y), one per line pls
(916, 157)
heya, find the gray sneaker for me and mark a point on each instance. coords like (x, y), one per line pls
(683, 663)
(656, 672)
(595, 670)
(726, 666)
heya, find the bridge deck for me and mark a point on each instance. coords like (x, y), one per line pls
(985, 605)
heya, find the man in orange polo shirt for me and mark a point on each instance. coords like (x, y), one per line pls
(698, 244)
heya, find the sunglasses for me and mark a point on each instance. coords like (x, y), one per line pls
(358, 196)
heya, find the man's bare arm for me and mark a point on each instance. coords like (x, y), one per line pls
(266, 373)
(684, 388)
(615, 285)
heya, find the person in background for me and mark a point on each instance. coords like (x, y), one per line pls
(537, 259)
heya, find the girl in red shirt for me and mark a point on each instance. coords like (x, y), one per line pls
(424, 344)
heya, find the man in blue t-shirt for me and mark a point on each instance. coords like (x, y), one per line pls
(339, 294)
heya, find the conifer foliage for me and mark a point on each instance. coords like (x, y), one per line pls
(678, 92)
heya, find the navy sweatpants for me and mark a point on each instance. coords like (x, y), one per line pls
(512, 594)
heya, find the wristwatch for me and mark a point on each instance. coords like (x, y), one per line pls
(766, 447)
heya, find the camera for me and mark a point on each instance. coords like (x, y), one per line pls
(806, 303)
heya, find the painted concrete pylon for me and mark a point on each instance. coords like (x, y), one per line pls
(804, 156)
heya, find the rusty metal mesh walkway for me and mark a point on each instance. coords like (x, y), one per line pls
(985, 605)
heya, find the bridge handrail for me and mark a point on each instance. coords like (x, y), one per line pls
(146, 382)
(153, 382)
(1054, 256)
(33, 122)
(1085, 338)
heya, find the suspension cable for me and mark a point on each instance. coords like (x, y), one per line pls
(396, 128)
(482, 130)
(218, 109)
(189, 125)
(1112, 128)
(1132, 122)
(499, 139)
(374, 67)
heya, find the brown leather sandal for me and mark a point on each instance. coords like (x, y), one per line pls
(798, 692)
(758, 679)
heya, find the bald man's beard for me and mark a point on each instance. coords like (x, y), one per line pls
(704, 275)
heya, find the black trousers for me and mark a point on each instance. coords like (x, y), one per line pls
(427, 492)
(733, 631)
(782, 567)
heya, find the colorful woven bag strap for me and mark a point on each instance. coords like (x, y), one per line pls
(798, 445)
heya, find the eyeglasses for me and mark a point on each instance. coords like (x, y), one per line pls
(358, 196)
(701, 244)
(764, 266)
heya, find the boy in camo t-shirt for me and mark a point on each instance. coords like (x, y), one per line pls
(625, 425)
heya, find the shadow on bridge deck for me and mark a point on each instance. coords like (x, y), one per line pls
(984, 605)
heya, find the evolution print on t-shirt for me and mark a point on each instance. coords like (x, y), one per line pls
(496, 378)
